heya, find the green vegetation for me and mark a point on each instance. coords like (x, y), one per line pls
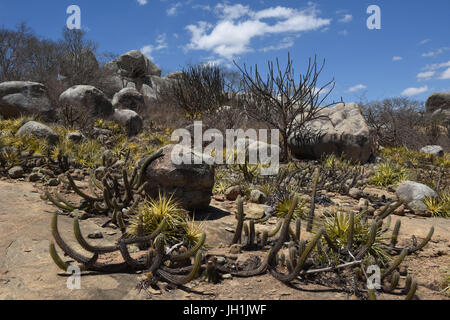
(389, 174)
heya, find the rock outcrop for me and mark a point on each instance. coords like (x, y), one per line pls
(38, 130)
(190, 183)
(87, 99)
(129, 98)
(19, 98)
(413, 193)
(129, 120)
(343, 130)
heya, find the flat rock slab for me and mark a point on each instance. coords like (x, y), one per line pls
(26, 268)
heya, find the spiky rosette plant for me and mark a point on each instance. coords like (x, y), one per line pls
(150, 214)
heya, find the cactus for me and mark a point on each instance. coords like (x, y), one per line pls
(240, 218)
(395, 264)
(395, 232)
(412, 290)
(313, 200)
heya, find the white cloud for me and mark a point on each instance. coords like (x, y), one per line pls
(425, 41)
(445, 75)
(142, 2)
(237, 25)
(437, 66)
(409, 92)
(284, 44)
(346, 18)
(427, 75)
(172, 11)
(435, 53)
(397, 58)
(356, 88)
(343, 33)
(160, 43)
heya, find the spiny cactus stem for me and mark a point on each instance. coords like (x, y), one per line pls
(412, 290)
(240, 221)
(191, 252)
(56, 258)
(350, 231)
(57, 203)
(395, 232)
(85, 245)
(395, 264)
(313, 200)
(424, 242)
(145, 165)
(274, 232)
(79, 192)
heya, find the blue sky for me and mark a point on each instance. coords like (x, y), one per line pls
(409, 56)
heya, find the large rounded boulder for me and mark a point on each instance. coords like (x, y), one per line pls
(413, 194)
(129, 98)
(438, 105)
(38, 130)
(19, 98)
(134, 64)
(340, 130)
(438, 100)
(129, 120)
(191, 184)
(87, 99)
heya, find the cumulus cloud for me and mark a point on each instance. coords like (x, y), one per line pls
(238, 24)
(425, 41)
(172, 11)
(437, 66)
(160, 43)
(427, 75)
(284, 44)
(435, 52)
(397, 58)
(346, 18)
(409, 92)
(142, 2)
(356, 88)
(445, 75)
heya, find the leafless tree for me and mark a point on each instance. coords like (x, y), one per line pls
(199, 90)
(396, 122)
(13, 52)
(281, 101)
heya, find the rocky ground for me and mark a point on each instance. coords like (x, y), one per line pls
(28, 272)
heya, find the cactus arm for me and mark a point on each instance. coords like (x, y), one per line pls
(316, 177)
(240, 224)
(85, 245)
(56, 258)
(395, 264)
(423, 243)
(395, 232)
(351, 231)
(181, 280)
(150, 237)
(412, 290)
(190, 253)
(79, 192)
(274, 232)
(365, 248)
(57, 203)
(145, 165)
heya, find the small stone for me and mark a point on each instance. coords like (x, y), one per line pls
(96, 235)
(53, 182)
(81, 215)
(221, 260)
(16, 172)
(233, 193)
(235, 249)
(34, 177)
(400, 211)
(257, 196)
(355, 193)
(227, 276)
